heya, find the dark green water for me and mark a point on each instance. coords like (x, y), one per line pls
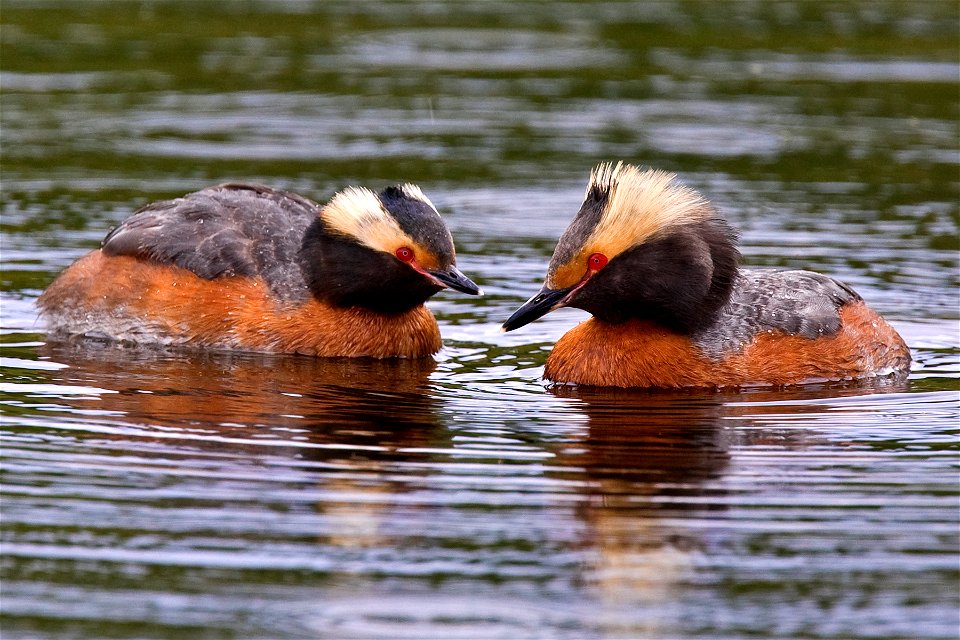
(184, 495)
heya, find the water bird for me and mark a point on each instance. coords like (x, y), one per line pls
(248, 267)
(659, 271)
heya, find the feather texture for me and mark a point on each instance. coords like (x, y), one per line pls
(222, 231)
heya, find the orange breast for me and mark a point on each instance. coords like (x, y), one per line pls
(643, 354)
(125, 298)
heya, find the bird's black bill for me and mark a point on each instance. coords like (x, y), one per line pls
(539, 305)
(454, 278)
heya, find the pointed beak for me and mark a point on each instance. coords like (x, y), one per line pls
(539, 305)
(454, 278)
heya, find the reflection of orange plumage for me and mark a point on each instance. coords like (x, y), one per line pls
(658, 270)
(362, 401)
(250, 268)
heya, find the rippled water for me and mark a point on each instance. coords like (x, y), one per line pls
(173, 494)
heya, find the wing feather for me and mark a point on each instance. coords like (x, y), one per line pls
(792, 302)
(227, 230)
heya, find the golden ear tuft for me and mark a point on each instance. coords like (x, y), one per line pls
(640, 203)
(634, 204)
(358, 214)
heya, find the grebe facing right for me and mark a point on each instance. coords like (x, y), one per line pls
(658, 269)
(246, 267)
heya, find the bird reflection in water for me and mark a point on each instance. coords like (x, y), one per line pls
(643, 458)
(356, 443)
(655, 468)
(243, 394)
(336, 423)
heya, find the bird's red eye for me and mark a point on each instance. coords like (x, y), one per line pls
(405, 254)
(597, 261)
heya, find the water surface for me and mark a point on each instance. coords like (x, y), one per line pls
(172, 494)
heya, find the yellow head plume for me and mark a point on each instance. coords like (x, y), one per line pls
(623, 206)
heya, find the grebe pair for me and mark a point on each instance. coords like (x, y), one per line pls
(253, 268)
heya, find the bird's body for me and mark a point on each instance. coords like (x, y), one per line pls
(754, 340)
(659, 271)
(251, 268)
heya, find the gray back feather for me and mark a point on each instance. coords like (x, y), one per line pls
(799, 303)
(227, 230)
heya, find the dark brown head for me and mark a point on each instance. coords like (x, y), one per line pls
(641, 246)
(387, 252)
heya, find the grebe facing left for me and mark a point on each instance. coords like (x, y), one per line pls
(658, 269)
(247, 267)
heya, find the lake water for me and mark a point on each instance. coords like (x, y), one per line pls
(191, 495)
